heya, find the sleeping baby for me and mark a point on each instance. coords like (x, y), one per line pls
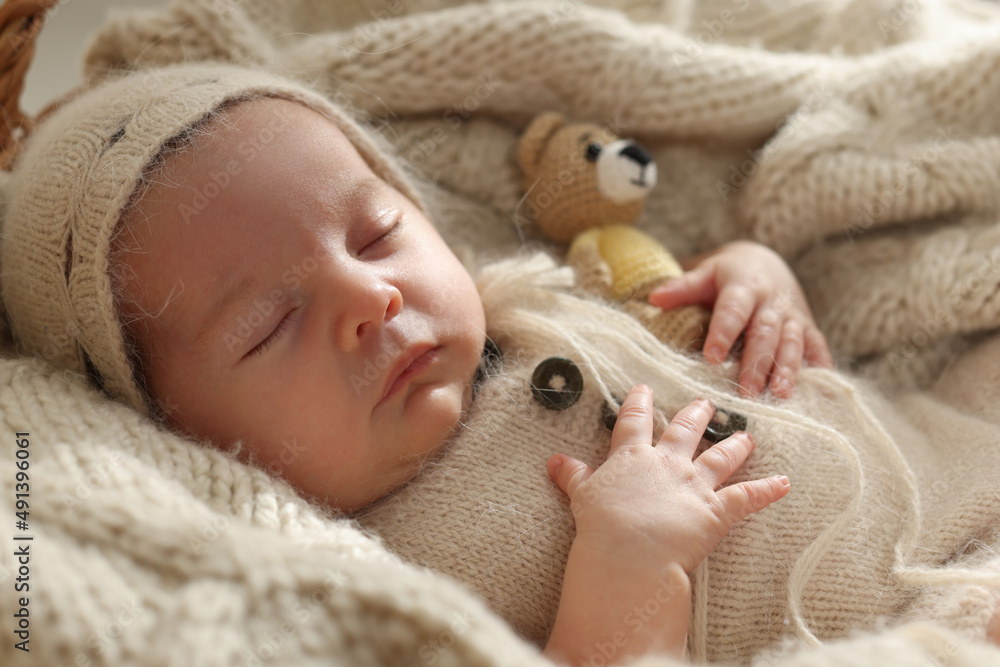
(237, 258)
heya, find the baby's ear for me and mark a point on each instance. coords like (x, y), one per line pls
(535, 139)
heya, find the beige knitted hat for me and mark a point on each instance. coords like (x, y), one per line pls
(71, 184)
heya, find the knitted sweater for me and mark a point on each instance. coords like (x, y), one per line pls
(886, 498)
(162, 551)
(150, 549)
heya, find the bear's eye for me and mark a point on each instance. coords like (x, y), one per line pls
(593, 151)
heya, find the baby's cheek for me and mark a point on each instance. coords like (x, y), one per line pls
(433, 414)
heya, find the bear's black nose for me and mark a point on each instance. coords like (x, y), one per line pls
(636, 153)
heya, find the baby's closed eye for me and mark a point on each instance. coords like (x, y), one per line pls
(275, 334)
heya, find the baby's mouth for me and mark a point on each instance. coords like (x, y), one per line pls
(410, 364)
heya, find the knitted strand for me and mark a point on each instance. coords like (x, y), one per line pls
(697, 637)
(908, 538)
(923, 576)
(915, 576)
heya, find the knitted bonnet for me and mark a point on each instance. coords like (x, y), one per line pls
(74, 179)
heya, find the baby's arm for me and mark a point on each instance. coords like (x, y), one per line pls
(749, 286)
(644, 520)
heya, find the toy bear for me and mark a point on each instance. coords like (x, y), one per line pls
(586, 186)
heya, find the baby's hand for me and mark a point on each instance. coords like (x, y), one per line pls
(646, 517)
(649, 503)
(748, 286)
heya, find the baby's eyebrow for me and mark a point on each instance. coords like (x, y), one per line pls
(233, 292)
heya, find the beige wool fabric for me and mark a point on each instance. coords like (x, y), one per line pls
(71, 185)
(885, 499)
(806, 110)
(843, 134)
(162, 551)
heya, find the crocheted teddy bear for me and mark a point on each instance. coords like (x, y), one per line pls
(586, 186)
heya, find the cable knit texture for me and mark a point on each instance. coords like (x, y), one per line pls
(857, 138)
(835, 132)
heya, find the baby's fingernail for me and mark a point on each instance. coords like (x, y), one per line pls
(783, 480)
(643, 389)
(713, 353)
(556, 466)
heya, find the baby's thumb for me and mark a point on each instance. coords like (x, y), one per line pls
(568, 473)
(695, 286)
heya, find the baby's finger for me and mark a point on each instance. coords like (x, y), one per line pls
(743, 499)
(730, 315)
(568, 473)
(685, 430)
(635, 419)
(720, 461)
(788, 360)
(817, 351)
(761, 343)
(696, 286)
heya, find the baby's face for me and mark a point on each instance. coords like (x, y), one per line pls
(285, 296)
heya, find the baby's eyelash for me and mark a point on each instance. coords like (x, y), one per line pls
(388, 234)
(274, 335)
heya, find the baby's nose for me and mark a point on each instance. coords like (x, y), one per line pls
(366, 309)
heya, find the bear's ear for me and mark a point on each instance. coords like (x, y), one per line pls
(535, 139)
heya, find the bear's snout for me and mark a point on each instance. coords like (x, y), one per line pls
(625, 171)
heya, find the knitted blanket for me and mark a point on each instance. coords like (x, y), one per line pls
(857, 138)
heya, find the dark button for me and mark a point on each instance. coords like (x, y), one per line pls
(557, 383)
(491, 363)
(724, 424)
(609, 415)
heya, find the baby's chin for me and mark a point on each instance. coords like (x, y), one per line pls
(442, 412)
